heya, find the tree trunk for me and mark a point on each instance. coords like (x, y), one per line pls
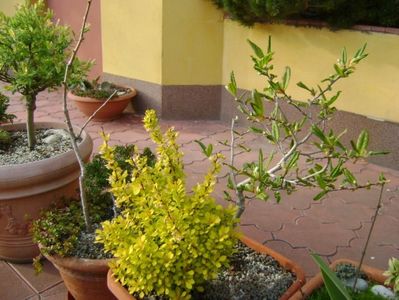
(30, 124)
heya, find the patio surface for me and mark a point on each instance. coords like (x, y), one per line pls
(335, 227)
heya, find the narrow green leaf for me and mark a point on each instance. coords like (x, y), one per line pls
(344, 56)
(319, 195)
(257, 50)
(286, 78)
(269, 44)
(334, 286)
(362, 141)
(275, 131)
(232, 86)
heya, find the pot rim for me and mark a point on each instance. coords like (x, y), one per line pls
(44, 125)
(77, 264)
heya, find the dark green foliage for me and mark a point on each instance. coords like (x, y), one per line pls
(337, 13)
(4, 103)
(96, 181)
(100, 91)
(58, 229)
(5, 139)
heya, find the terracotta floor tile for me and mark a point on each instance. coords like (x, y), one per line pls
(12, 287)
(311, 233)
(49, 277)
(300, 256)
(268, 216)
(255, 233)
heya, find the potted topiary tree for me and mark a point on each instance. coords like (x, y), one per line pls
(33, 53)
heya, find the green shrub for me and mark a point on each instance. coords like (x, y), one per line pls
(338, 13)
(4, 103)
(166, 241)
(393, 274)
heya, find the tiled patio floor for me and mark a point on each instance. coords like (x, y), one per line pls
(335, 227)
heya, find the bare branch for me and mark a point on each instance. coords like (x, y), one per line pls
(73, 137)
(94, 114)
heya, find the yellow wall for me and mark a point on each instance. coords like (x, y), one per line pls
(192, 43)
(180, 42)
(132, 38)
(371, 91)
(8, 6)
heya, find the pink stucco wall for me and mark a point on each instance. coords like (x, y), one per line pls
(71, 12)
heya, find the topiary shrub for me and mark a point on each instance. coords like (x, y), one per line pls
(166, 241)
(33, 54)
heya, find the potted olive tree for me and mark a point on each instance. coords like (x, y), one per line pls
(288, 125)
(33, 53)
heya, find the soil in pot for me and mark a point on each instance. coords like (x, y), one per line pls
(49, 143)
(251, 275)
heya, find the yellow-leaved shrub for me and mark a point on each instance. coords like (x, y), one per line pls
(166, 241)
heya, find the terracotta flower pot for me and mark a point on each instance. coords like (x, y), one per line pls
(110, 111)
(26, 189)
(317, 281)
(122, 294)
(85, 279)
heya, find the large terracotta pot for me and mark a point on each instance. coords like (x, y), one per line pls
(85, 279)
(111, 110)
(27, 189)
(316, 282)
(122, 294)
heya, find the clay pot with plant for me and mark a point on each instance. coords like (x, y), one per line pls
(347, 279)
(89, 97)
(33, 52)
(288, 125)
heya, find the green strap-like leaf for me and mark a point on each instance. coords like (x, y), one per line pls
(334, 286)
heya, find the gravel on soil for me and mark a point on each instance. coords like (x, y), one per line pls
(18, 151)
(251, 276)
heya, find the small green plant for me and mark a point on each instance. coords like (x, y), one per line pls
(4, 116)
(33, 53)
(166, 241)
(5, 139)
(393, 274)
(97, 90)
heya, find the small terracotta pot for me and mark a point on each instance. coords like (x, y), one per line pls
(110, 111)
(122, 294)
(27, 189)
(85, 279)
(317, 281)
